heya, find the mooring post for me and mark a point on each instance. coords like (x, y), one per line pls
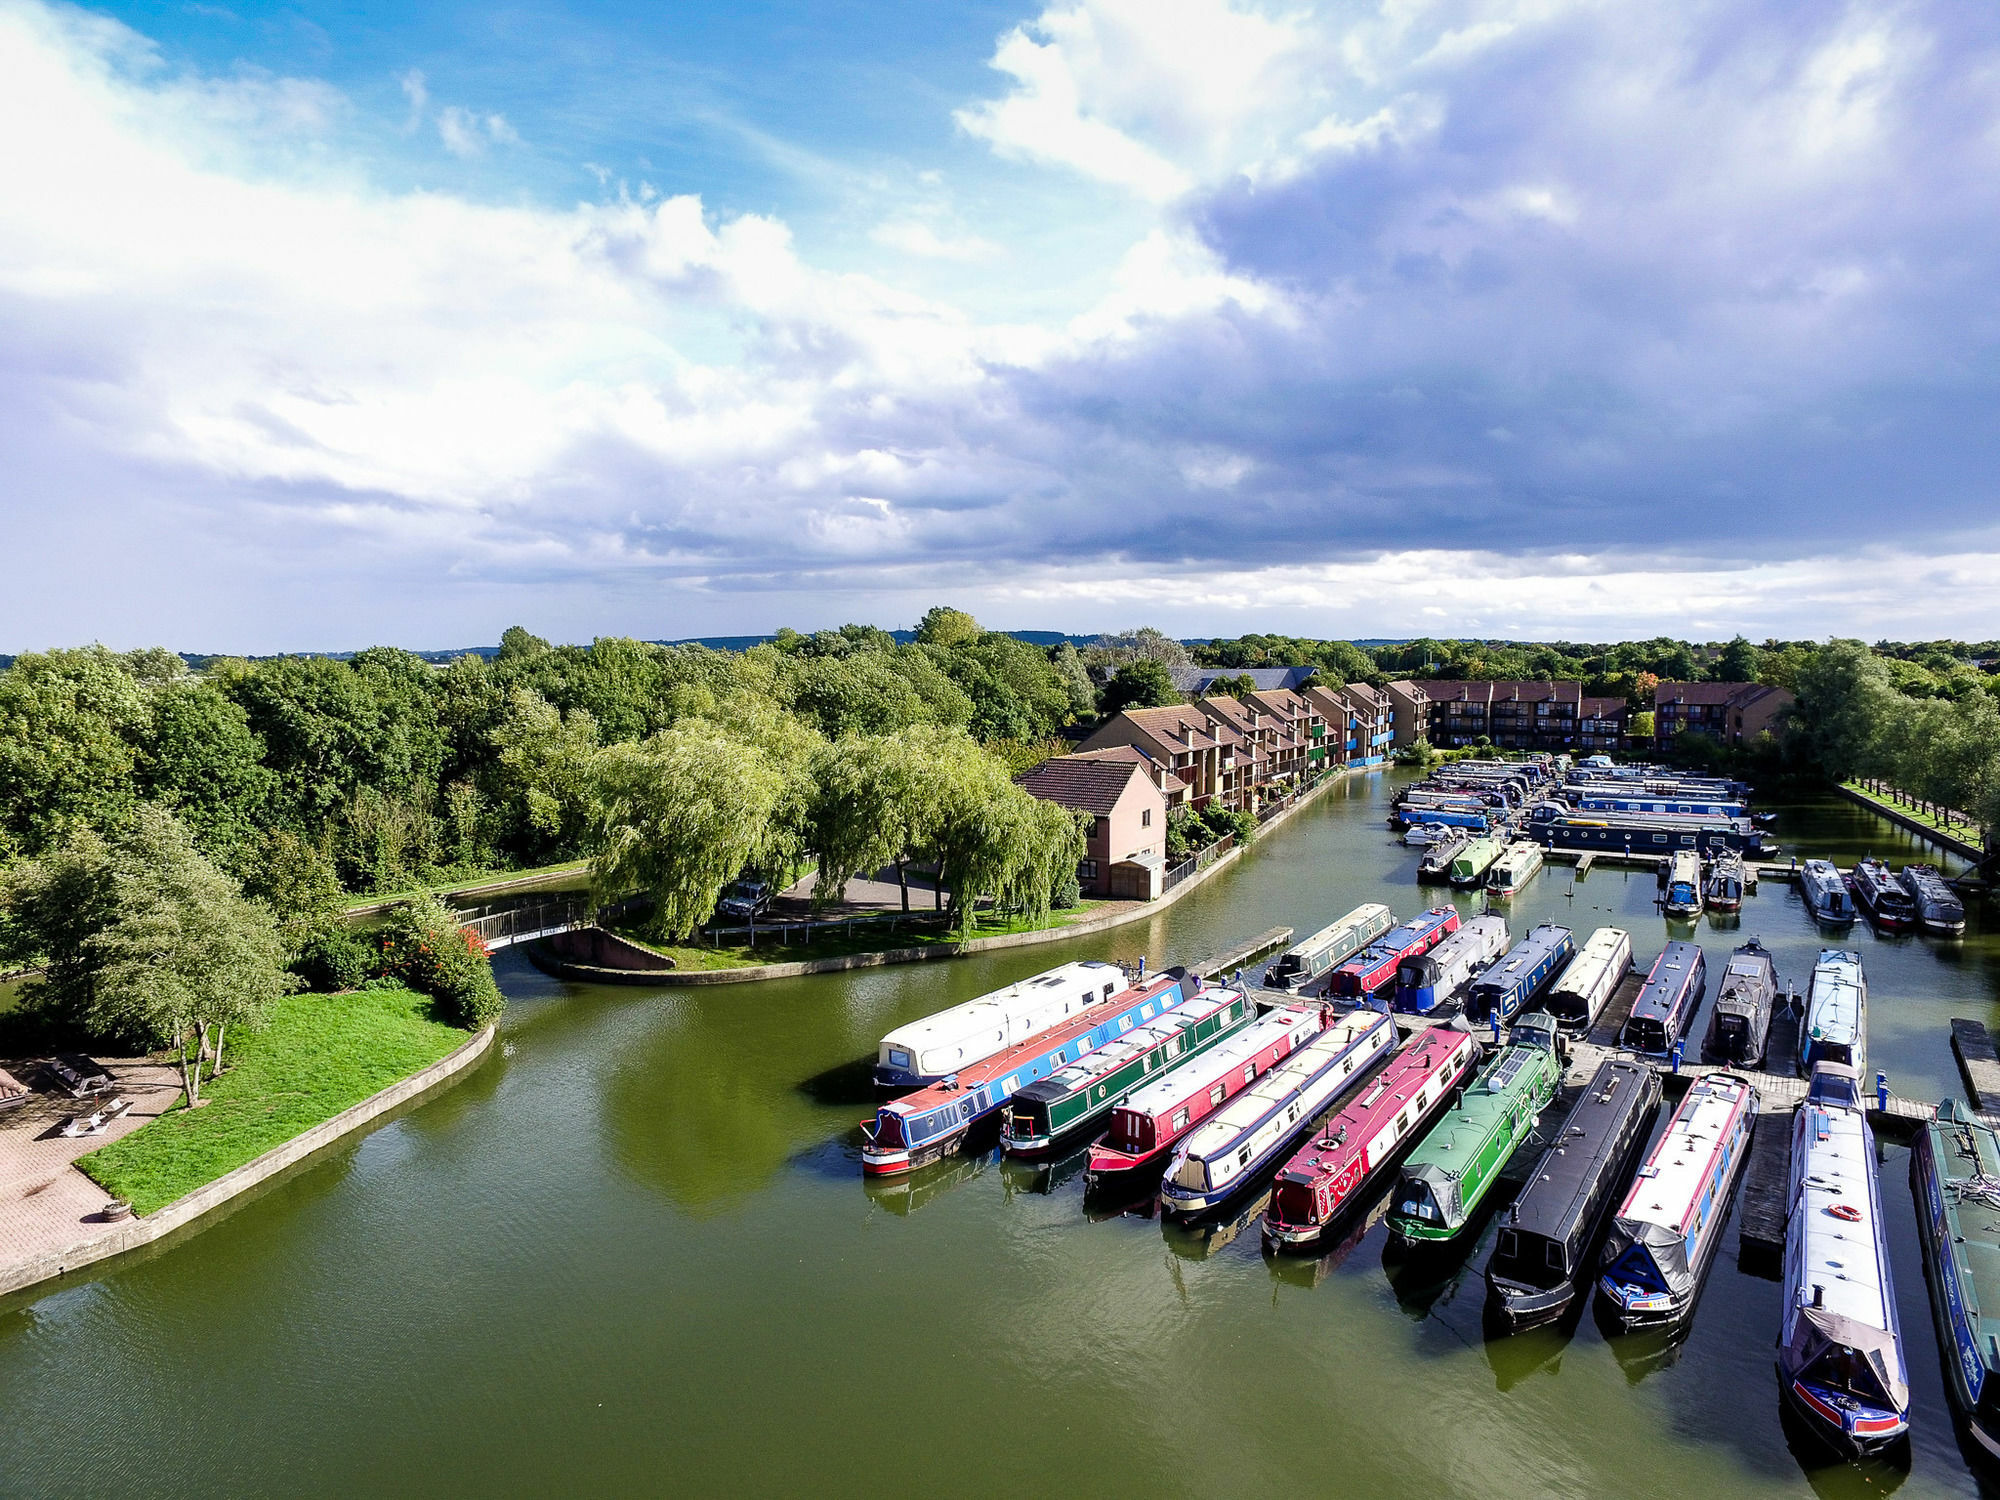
(1882, 1092)
(1678, 1046)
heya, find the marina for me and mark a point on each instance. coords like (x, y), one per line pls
(678, 1180)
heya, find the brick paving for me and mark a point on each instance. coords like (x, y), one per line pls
(45, 1202)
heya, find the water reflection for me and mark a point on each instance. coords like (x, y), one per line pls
(1517, 1357)
(1202, 1238)
(1336, 1244)
(1647, 1351)
(1045, 1175)
(905, 1194)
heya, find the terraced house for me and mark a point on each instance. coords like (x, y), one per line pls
(1232, 750)
(1731, 712)
(1514, 715)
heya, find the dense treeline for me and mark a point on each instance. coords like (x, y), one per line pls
(675, 767)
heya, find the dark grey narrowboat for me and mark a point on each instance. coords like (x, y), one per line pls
(1545, 1254)
(1739, 1023)
(1666, 1005)
(1938, 906)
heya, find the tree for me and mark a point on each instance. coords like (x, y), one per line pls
(517, 645)
(542, 774)
(70, 722)
(50, 909)
(1740, 662)
(1239, 686)
(947, 627)
(1143, 644)
(1643, 723)
(202, 761)
(1844, 698)
(1140, 684)
(183, 955)
(1076, 680)
(677, 817)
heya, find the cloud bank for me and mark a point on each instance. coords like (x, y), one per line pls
(1541, 315)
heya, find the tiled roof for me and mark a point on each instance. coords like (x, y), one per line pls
(1166, 724)
(1194, 682)
(1091, 783)
(1508, 691)
(1600, 708)
(1736, 694)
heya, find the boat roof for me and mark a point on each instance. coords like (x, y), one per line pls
(1287, 1078)
(1833, 1007)
(1525, 954)
(1594, 1130)
(1024, 996)
(1671, 1182)
(1609, 947)
(1421, 1058)
(1200, 1073)
(1115, 1054)
(1966, 1147)
(1668, 980)
(1473, 938)
(1452, 1142)
(1363, 916)
(1834, 1164)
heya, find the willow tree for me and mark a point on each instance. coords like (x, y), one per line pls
(990, 838)
(677, 816)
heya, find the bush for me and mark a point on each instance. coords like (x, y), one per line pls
(1068, 891)
(335, 961)
(424, 947)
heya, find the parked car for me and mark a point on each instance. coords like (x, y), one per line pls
(745, 900)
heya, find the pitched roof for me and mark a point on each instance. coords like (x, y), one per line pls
(1166, 725)
(1091, 783)
(1194, 682)
(1735, 694)
(1510, 690)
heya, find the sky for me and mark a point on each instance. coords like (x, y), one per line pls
(324, 325)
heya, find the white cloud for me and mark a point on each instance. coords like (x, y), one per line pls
(468, 133)
(418, 93)
(914, 237)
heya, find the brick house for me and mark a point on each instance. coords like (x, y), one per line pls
(1126, 850)
(1731, 712)
(1515, 715)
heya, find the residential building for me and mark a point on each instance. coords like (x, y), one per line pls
(1196, 754)
(1126, 850)
(1733, 712)
(1378, 722)
(1229, 750)
(1410, 711)
(1199, 682)
(1343, 740)
(1516, 715)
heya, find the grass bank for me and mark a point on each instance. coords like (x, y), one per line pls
(872, 937)
(469, 883)
(1960, 828)
(319, 1055)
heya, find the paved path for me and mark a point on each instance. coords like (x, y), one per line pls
(46, 1204)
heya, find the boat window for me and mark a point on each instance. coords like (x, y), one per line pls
(1552, 1251)
(1179, 1121)
(1403, 1121)
(1215, 1094)
(1659, 838)
(1249, 1072)
(1243, 1157)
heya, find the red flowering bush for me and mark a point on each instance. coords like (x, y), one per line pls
(424, 947)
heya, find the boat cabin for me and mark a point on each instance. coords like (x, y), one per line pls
(1666, 1005)
(1506, 988)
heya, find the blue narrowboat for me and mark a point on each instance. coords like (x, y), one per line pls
(931, 1123)
(1840, 1352)
(1678, 807)
(1443, 817)
(1507, 988)
(1673, 992)
(1557, 827)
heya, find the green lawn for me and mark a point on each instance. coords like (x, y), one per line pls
(870, 938)
(478, 877)
(318, 1055)
(1961, 829)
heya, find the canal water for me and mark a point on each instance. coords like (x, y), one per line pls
(633, 1255)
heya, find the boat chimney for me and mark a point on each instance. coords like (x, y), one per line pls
(1819, 1295)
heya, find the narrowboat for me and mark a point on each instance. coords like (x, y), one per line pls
(1542, 1256)
(1722, 886)
(1519, 864)
(1840, 1353)
(926, 1051)
(1681, 876)
(1305, 961)
(1476, 820)
(1825, 892)
(1153, 1118)
(1667, 1001)
(1455, 1165)
(1360, 976)
(1739, 1023)
(1473, 860)
(932, 1123)
(1226, 1152)
(1836, 1024)
(1423, 835)
(1938, 906)
(1586, 986)
(1331, 1171)
(1554, 826)
(1597, 799)
(1879, 893)
(1072, 1097)
(1666, 1233)
(1955, 1174)
(1438, 859)
(1507, 989)
(1424, 981)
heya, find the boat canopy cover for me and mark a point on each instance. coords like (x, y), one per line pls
(1819, 1329)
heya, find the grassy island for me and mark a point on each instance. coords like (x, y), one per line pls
(319, 1055)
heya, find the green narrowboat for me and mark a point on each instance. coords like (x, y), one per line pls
(1453, 1168)
(1955, 1171)
(1096, 1083)
(1470, 864)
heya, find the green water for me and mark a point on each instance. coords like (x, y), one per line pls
(632, 1254)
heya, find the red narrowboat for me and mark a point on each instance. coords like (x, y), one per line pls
(1145, 1127)
(1329, 1171)
(1374, 967)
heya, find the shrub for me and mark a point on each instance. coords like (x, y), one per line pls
(334, 961)
(1068, 891)
(424, 947)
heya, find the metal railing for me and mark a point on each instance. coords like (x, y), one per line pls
(505, 927)
(1199, 862)
(805, 929)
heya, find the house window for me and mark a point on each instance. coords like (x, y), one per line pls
(1086, 869)
(1145, 817)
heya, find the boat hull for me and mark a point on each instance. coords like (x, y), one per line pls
(1851, 1431)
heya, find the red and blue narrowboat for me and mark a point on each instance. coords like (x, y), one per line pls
(931, 1123)
(1146, 1126)
(1331, 1170)
(1374, 967)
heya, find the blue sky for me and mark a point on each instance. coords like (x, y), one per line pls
(328, 325)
